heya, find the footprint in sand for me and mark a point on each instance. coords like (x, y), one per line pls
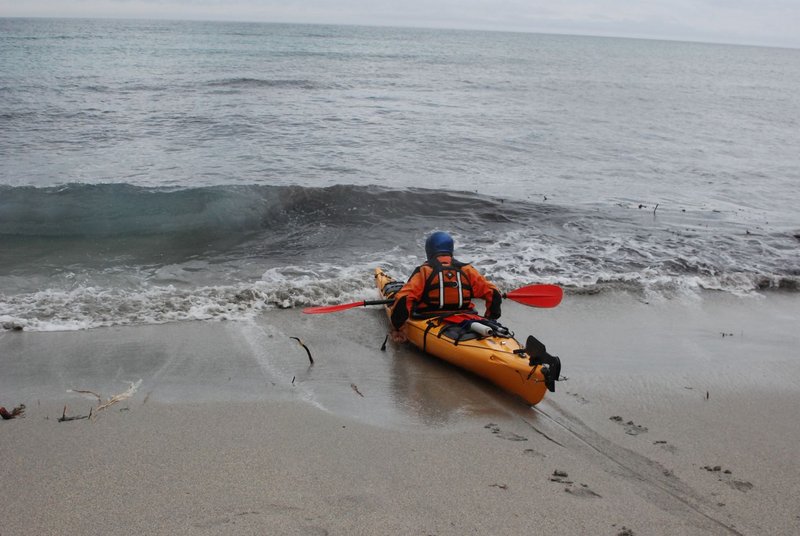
(631, 428)
(741, 485)
(726, 475)
(511, 436)
(533, 453)
(581, 490)
(672, 449)
(579, 398)
(560, 477)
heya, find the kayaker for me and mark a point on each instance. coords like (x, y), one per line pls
(441, 284)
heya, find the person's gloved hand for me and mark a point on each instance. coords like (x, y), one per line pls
(399, 335)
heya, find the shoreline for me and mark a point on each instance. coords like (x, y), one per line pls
(664, 426)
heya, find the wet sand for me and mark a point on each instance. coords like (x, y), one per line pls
(677, 417)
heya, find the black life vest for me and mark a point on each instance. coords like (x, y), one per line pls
(447, 287)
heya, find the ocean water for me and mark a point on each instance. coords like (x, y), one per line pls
(168, 171)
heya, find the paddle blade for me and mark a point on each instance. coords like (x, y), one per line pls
(321, 309)
(537, 295)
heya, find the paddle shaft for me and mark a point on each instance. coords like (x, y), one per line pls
(377, 302)
(532, 295)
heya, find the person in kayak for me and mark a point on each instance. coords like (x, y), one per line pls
(441, 284)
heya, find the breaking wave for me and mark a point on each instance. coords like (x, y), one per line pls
(82, 256)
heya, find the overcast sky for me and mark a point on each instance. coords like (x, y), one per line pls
(765, 22)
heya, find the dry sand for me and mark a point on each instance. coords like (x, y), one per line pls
(678, 417)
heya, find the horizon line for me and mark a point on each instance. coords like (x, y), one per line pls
(696, 40)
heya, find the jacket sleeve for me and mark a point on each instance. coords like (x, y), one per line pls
(405, 299)
(400, 313)
(488, 292)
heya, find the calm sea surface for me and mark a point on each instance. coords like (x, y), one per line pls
(160, 171)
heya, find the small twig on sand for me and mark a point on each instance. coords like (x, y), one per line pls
(14, 413)
(654, 210)
(81, 392)
(64, 417)
(311, 359)
(116, 398)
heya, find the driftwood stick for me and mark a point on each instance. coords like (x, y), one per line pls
(311, 359)
(64, 417)
(83, 392)
(116, 398)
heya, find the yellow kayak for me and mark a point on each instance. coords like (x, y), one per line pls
(527, 371)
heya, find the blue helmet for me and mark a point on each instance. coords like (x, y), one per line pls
(439, 243)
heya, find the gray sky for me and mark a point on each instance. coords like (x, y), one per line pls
(765, 22)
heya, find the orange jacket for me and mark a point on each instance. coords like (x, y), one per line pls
(426, 292)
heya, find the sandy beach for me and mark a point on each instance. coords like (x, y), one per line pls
(676, 417)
